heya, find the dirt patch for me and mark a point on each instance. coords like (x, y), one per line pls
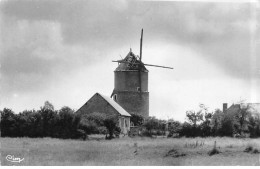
(175, 153)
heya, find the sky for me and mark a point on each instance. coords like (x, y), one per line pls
(61, 51)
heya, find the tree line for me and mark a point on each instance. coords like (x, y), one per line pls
(64, 123)
(241, 123)
(45, 122)
(202, 123)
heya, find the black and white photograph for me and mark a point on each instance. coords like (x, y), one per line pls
(130, 83)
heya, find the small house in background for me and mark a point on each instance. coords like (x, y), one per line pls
(103, 104)
(253, 108)
(238, 111)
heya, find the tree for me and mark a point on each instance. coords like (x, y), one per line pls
(228, 125)
(254, 125)
(8, 123)
(36, 123)
(187, 130)
(205, 125)
(216, 122)
(136, 120)
(150, 124)
(48, 106)
(75, 127)
(88, 126)
(174, 128)
(49, 119)
(110, 123)
(242, 119)
(65, 122)
(92, 123)
(194, 117)
(96, 117)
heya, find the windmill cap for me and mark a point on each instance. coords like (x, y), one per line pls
(134, 63)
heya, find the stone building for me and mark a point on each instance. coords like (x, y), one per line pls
(238, 109)
(103, 104)
(131, 85)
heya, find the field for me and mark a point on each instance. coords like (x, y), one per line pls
(131, 151)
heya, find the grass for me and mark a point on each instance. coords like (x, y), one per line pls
(131, 151)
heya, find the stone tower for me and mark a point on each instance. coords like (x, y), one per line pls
(131, 85)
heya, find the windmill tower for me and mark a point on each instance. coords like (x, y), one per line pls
(131, 83)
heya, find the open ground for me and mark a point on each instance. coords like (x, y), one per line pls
(131, 151)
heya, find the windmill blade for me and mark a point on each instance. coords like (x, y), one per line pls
(120, 61)
(158, 66)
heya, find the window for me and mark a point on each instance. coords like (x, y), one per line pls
(122, 124)
(138, 89)
(115, 97)
(125, 123)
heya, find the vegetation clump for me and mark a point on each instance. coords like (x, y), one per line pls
(248, 149)
(214, 150)
(174, 153)
(194, 145)
(251, 149)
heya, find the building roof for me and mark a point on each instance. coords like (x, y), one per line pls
(134, 65)
(233, 108)
(115, 105)
(254, 108)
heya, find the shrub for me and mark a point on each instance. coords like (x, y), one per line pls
(214, 150)
(110, 124)
(136, 120)
(248, 148)
(256, 151)
(174, 128)
(251, 149)
(228, 125)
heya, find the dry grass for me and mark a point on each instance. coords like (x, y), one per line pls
(130, 151)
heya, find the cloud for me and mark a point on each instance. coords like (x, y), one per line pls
(33, 55)
(43, 42)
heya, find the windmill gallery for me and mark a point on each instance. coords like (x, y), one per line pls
(130, 94)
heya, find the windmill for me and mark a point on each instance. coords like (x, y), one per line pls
(131, 83)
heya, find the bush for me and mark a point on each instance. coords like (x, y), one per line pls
(136, 120)
(174, 128)
(213, 151)
(154, 126)
(228, 126)
(248, 148)
(110, 124)
(187, 130)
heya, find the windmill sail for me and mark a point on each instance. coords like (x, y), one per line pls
(141, 45)
(136, 63)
